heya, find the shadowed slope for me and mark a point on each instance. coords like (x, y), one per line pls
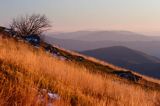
(128, 58)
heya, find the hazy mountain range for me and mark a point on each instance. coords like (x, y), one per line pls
(105, 35)
(87, 40)
(128, 58)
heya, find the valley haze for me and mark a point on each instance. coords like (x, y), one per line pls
(87, 40)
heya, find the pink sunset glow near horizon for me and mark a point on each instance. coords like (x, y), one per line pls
(140, 16)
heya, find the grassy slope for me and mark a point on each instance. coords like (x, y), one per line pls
(95, 65)
(24, 70)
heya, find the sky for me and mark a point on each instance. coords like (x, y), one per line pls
(72, 15)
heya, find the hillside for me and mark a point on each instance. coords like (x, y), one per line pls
(128, 58)
(29, 74)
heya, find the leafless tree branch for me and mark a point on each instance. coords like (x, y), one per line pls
(33, 24)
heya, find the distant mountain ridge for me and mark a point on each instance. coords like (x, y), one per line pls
(128, 58)
(105, 35)
(149, 47)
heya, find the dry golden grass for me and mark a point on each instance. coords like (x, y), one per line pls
(25, 70)
(117, 68)
(92, 59)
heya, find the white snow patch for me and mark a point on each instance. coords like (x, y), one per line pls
(53, 96)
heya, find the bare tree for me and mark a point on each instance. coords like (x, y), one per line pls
(30, 24)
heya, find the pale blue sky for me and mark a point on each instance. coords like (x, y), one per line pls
(70, 15)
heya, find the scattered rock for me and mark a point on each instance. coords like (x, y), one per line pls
(49, 48)
(62, 58)
(79, 58)
(128, 75)
(33, 39)
(2, 28)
